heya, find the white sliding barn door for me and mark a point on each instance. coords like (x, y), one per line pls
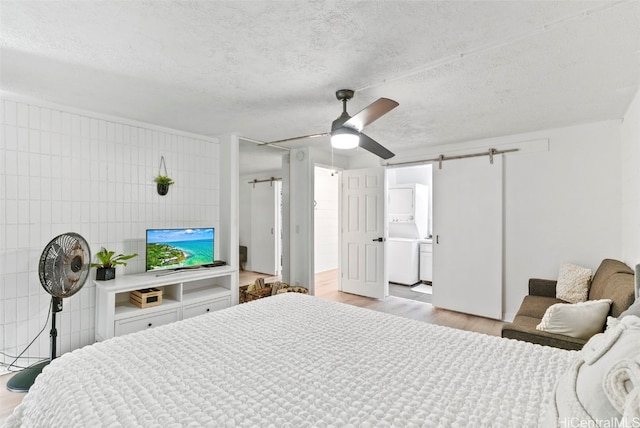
(467, 236)
(363, 270)
(264, 254)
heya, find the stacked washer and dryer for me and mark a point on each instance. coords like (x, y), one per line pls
(409, 249)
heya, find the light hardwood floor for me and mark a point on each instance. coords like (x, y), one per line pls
(8, 400)
(326, 286)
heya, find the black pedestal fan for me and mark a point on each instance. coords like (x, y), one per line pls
(63, 270)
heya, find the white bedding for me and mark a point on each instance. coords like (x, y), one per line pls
(296, 360)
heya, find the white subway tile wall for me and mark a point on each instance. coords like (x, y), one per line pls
(67, 171)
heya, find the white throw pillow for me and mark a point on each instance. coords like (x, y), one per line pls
(581, 320)
(573, 283)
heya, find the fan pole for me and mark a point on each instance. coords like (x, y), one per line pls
(56, 306)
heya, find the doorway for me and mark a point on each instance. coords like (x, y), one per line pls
(409, 211)
(327, 196)
(261, 215)
(326, 223)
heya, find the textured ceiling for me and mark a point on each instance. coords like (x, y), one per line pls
(269, 70)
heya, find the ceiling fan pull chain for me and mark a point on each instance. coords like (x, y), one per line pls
(332, 157)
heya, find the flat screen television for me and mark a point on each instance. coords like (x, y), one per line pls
(179, 248)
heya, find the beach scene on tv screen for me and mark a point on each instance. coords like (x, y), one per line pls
(179, 248)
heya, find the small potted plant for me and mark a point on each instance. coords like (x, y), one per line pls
(163, 183)
(106, 269)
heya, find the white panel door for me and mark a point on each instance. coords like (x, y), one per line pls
(363, 235)
(467, 236)
(263, 256)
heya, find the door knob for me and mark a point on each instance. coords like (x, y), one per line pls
(378, 239)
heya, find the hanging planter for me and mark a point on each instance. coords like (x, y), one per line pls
(163, 181)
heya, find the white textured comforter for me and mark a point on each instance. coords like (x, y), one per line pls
(295, 360)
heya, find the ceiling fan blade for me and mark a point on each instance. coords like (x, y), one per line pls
(371, 113)
(295, 138)
(374, 147)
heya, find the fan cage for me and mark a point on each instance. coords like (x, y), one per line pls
(64, 265)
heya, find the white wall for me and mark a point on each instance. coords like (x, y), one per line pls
(561, 204)
(630, 170)
(67, 170)
(326, 219)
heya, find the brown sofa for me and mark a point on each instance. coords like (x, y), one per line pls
(613, 280)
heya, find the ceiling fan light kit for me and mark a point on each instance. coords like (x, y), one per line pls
(345, 138)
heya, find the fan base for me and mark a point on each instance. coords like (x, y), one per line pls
(22, 381)
(344, 94)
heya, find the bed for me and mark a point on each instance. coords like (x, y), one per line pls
(299, 361)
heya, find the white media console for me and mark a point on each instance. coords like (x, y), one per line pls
(185, 294)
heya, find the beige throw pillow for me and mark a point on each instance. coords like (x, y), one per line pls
(580, 320)
(573, 283)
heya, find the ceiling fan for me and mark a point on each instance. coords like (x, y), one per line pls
(346, 131)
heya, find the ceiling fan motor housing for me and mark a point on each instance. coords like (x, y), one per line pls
(340, 121)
